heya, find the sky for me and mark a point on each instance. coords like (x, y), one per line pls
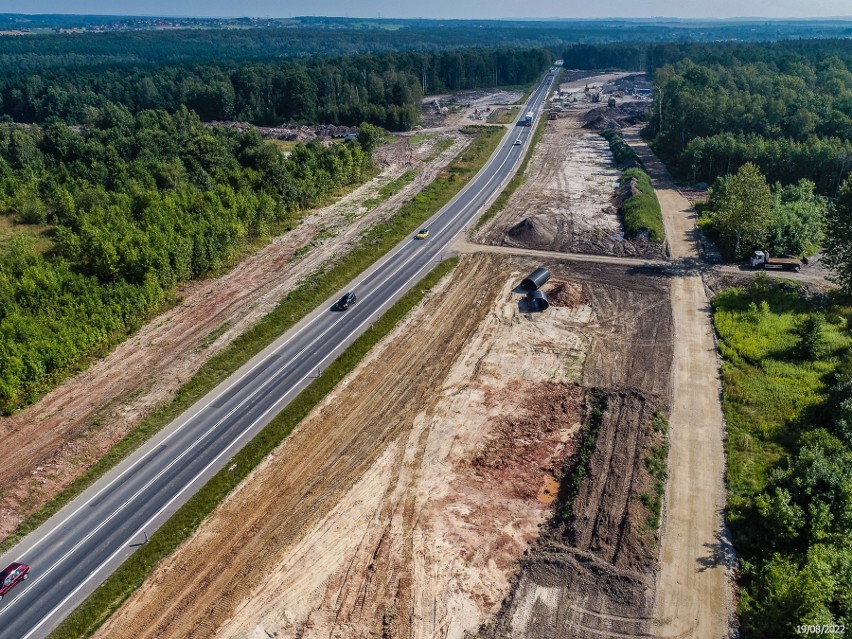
(476, 9)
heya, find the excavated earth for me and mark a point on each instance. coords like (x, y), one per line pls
(418, 499)
(594, 575)
(568, 200)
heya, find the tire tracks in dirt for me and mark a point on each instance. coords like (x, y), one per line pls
(74, 425)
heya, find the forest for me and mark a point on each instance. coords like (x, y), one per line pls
(786, 109)
(383, 89)
(143, 40)
(135, 205)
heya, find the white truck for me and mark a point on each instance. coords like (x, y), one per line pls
(761, 259)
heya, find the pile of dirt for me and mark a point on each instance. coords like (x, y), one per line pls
(536, 230)
(616, 117)
(594, 575)
(565, 294)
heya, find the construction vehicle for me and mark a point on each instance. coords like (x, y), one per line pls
(761, 259)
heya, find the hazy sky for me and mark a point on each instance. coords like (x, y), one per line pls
(443, 8)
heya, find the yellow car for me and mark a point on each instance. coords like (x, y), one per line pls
(423, 234)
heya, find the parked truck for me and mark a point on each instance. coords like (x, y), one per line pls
(761, 259)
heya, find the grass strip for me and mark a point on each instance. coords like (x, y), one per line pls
(579, 464)
(657, 465)
(312, 292)
(517, 180)
(622, 153)
(391, 188)
(641, 213)
(503, 115)
(109, 596)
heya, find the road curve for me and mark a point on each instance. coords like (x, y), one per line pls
(73, 552)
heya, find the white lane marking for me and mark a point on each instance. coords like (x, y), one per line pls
(275, 377)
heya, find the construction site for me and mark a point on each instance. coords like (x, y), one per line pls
(486, 470)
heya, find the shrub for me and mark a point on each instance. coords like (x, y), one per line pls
(641, 212)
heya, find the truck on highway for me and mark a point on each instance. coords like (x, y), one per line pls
(528, 118)
(761, 259)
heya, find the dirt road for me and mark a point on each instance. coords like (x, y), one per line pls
(694, 588)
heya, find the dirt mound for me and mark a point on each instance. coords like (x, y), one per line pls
(600, 119)
(606, 117)
(566, 294)
(594, 575)
(535, 231)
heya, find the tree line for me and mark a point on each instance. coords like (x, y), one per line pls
(135, 205)
(384, 90)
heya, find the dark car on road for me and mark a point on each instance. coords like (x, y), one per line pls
(345, 302)
(12, 576)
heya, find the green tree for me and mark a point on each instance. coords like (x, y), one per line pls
(811, 333)
(797, 219)
(369, 136)
(741, 205)
(838, 239)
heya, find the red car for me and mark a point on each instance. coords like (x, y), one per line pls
(12, 576)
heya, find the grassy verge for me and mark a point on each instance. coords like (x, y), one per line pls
(440, 146)
(786, 377)
(109, 596)
(391, 188)
(657, 464)
(501, 115)
(641, 213)
(623, 154)
(517, 180)
(374, 243)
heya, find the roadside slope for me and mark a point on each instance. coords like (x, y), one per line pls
(694, 590)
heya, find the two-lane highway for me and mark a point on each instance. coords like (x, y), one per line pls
(79, 547)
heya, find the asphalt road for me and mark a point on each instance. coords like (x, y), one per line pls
(72, 553)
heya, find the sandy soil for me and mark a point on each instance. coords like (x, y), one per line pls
(567, 202)
(468, 107)
(694, 588)
(73, 426)
(404, 515)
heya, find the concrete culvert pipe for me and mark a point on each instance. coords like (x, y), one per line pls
(535, 280)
